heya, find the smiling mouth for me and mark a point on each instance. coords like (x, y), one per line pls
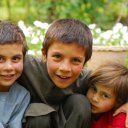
(63, 77)
(8, 77)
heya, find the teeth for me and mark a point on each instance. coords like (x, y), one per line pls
(8, 75)
(63, 77)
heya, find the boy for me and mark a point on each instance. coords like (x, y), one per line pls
(53, 83)
(57, 83)
(14, 99)
(108, 92)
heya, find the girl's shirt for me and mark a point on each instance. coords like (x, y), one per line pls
(12, 106)
(107, 120)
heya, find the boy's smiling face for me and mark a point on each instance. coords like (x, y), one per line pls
(11, 64)
(64, 63)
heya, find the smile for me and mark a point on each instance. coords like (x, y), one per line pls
(63, 77)
(8, 77)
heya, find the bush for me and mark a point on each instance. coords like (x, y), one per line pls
(118, 35)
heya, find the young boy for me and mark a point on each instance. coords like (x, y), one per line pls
(14, 99)
(53, 82)
(108, 92)
(57, 82)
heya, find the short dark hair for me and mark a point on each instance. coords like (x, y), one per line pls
(10, 33)
(113, 75)
(69, 31)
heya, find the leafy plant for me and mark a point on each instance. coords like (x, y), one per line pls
(117, 36)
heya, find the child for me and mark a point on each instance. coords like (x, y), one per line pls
(14, 98)
(57, 83)
(53, 83)
(108, 92)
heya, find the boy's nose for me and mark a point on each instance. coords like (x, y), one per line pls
(8, 65)
(65, 66)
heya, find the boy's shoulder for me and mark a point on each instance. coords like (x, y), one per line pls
(31, 58)
(17, 94)
(85, 72)
(33, 64)
(18, 89)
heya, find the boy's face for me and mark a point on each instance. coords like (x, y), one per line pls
(64, 63)
(11, 64)
(102, 98)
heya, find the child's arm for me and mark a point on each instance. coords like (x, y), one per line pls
(16, 120)
(123, 108)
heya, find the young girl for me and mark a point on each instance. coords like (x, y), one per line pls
(108, 91)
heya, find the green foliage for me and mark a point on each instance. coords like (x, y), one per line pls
(35, 33)
(104, 13)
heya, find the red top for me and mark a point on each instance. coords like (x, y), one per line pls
(107, 120)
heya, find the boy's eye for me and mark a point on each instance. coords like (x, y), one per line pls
(57, 56)
(1, 59)
(76, 60)
(16, 58)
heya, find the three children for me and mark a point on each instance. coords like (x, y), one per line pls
(58, 83)
(14, 98)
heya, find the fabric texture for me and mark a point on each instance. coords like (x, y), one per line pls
(13, 105)
(107, 120)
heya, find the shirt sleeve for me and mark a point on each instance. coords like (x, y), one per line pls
(118, 121)
(16, 120)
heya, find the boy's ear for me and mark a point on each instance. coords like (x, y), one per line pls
(44, 55)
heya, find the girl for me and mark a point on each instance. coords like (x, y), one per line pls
(108, 91)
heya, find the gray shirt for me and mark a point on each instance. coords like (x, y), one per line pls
(13, 105)
(44, 93)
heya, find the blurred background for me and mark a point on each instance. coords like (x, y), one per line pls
(104, 13)
(107, 19)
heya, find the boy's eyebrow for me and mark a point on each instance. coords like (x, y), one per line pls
(18, 55)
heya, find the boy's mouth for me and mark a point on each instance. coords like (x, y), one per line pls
(62, 77)
(8, 77)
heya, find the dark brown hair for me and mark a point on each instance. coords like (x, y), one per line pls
(10, 33)
(69, 31)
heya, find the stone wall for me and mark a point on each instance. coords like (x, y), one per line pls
(104, 54)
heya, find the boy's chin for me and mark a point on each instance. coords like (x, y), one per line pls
(62, 85)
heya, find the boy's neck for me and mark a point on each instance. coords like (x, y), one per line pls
(4, 89)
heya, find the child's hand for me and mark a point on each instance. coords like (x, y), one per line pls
(123, 108)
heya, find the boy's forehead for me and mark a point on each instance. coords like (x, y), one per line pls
(68, 44)
(68, 49)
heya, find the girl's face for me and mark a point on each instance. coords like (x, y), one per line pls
(102, 98)
(64, 63)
